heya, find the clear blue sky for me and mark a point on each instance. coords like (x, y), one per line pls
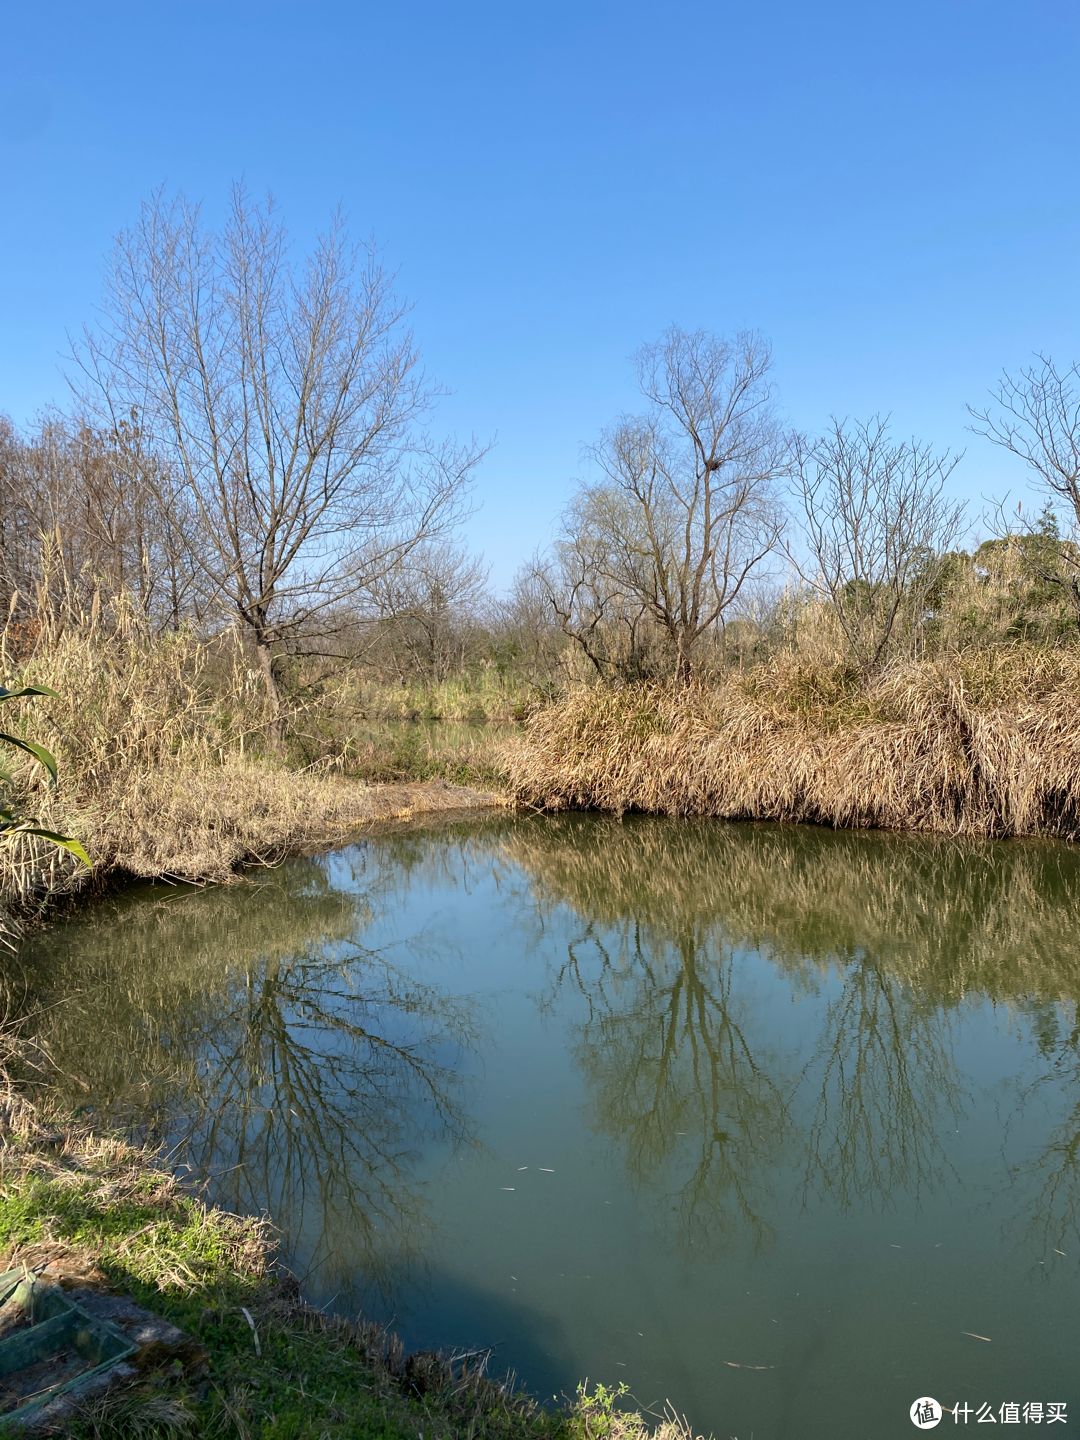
(888, 191)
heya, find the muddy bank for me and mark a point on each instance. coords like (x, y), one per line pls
(401, 802)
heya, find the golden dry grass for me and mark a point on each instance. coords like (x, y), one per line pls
(981, 745)
(164, 771)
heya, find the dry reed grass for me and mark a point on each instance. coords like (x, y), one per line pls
(164, 769)
(985, 744)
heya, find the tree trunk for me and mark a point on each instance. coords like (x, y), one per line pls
(683, 668)
(276, 728)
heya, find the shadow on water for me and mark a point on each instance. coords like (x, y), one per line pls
(453, 1314)
(282, 1037)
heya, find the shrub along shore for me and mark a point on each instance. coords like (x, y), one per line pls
(165, 770)
(980, 744)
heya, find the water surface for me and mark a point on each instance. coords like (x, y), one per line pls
(757, 1119)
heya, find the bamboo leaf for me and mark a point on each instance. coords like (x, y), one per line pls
(37, 751)
(6, 694)
(65, 842)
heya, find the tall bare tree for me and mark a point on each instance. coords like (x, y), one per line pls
(1036, 416)
(526, 637)
(593, 605)
(289, 403)
(877, 527)
(686, 507)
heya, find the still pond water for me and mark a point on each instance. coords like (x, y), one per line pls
(759, 1120)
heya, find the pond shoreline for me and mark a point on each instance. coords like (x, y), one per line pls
(94, 1212)
(242, 830)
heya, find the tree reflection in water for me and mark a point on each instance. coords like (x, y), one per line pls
(908, 927)
(323, 1080)
(665, 1054)
(883, 1077)
(1049, 1180)
(302, 1072)
(311, 1072)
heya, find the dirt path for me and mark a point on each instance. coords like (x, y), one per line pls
(401, 802)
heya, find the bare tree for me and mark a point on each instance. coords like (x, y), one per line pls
(105, 514)
(877, 527)
(525, 635)
(288, 403)
(19, 529)
(427, 605)
(593, 605)
(1037, 417)
(686, 509)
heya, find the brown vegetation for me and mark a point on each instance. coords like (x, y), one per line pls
(164, 767)
(982, 744)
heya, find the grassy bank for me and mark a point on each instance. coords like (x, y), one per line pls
(984, 744)
(166, 770)
(101, 1212)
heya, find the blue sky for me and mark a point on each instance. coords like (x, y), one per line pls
(888, 191)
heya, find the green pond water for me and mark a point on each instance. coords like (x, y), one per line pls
(757, 1119)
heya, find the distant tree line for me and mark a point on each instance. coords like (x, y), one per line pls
(709, 532)
(250, 448)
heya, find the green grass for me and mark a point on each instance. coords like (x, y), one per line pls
(396, 752)
(197, 1267)
(82, 1202)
